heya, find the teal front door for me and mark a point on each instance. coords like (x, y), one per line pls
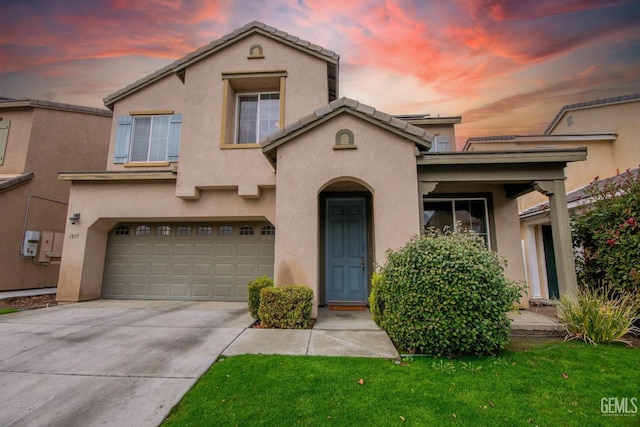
(346, 250)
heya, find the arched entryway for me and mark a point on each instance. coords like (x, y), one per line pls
(346, 242)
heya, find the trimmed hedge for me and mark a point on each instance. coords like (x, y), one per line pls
(445, 294)
(287, 307)
(254, 289)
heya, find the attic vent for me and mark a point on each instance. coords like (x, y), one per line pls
(344, 139)
(255, 51)
(569, 121)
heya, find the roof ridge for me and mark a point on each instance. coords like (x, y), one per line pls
(212, 46)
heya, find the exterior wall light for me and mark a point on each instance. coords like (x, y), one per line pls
(74, 219)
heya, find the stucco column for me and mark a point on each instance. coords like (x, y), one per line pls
(532, 261)
(424, 188)
(561, 232)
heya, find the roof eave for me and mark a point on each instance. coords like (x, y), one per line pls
(504, 157)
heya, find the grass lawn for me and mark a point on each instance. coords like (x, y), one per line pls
(544, 384)
(8, 310)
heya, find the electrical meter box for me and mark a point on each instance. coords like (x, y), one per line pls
(30, 244)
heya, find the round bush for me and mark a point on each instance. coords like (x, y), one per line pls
(445, 294)
(254, 289)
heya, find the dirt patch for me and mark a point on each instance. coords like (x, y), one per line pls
(29, 303)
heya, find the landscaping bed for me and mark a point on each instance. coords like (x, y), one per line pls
(30, 302)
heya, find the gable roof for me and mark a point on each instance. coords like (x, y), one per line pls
(419, 136)
(178, 67)
(597, 102)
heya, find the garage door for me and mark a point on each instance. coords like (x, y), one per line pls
(189, 261)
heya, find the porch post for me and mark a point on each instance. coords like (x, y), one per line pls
(561, 232)
(532, 261)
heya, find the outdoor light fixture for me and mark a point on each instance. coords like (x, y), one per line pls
(74, 219)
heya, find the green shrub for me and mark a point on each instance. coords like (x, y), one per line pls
(445, 293)
(375, 303)
(254, 289)
(287, 307)
(607, 234)
(598, 316)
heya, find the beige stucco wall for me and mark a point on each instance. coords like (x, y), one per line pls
(103, 204)
(621, 118)
(384, 163)
(203, 163)
(43, 141)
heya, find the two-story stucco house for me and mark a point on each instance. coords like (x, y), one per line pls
(608, 127)
(38, 139)
(240, 159)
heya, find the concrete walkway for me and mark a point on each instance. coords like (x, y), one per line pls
(335, 333)
(525, 320)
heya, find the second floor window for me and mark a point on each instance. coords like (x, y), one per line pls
(258, 116)
(148, 138)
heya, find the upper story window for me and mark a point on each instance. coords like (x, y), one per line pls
(258, 116)
(148, 138)
(252, 107)
(441, 144)
(4, 136)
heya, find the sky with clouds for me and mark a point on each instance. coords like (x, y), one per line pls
(505, 66)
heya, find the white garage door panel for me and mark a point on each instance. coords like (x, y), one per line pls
(197, 266)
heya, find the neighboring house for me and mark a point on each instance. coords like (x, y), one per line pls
(609, 128)
(37, 140)
(240, 160)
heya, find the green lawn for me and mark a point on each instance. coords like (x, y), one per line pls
(549, 384)
(8, 310)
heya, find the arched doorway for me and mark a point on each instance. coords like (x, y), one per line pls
(346, 242)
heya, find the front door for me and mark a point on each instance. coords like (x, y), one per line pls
(346, 250)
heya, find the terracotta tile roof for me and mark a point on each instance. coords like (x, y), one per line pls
(580, 105)
(13, 103)
(204, 51)
(414, 133)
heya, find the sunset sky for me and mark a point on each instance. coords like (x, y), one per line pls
(506, 67)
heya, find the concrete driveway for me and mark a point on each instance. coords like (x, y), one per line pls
(109, 362)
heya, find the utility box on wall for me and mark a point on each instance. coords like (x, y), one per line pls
(30, 243)
(50, 246)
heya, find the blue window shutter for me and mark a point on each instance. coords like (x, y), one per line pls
(123, 139)
(175, 126)
(4, 137)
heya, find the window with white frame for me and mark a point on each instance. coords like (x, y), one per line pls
(469, 213)
(258, 116)
(148, 138)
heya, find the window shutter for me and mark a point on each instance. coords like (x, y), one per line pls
(123, 139)
(4, 136)
(175, 126)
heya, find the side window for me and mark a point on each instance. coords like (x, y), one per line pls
(4, 137)
(150, 138)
